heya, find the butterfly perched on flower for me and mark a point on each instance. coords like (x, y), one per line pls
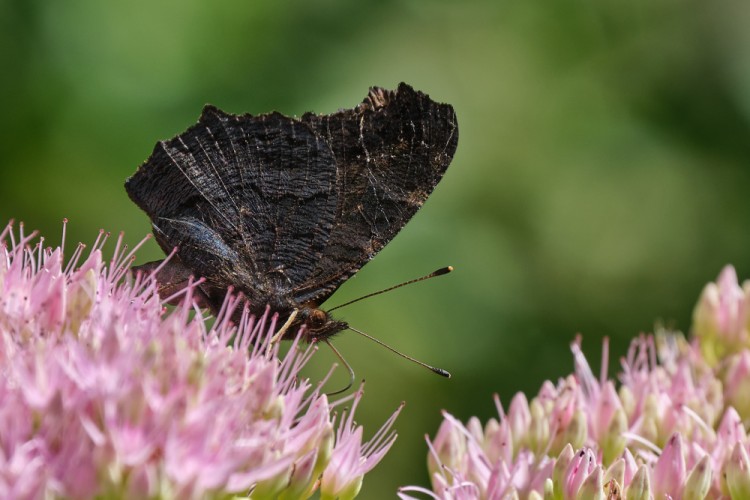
(286, 209)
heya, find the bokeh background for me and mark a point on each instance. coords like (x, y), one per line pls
(601, 176)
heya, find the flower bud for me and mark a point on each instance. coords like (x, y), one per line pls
(616, 472)
(539, 431)
(699, 481)
(450, 446)
(549, 490)
(593, 487)
(627, 400)
(498, 443)
(669, 471)
(737, 472)
(559, 471)
(579, 468)
(640, 486)
(613, 442)
(574, 434)
(534, 496)
(519, 419)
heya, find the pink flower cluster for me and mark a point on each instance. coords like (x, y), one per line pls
(104, 394)
(672, 428)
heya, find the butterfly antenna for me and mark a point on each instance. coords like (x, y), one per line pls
(439, 272)
(348, 367)
(439, 371)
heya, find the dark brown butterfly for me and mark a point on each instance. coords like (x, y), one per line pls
(285, 209)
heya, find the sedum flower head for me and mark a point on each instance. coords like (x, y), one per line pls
(104, 394)
(673, 426)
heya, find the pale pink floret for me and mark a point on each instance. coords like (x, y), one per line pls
(352, 459)
(104, 394)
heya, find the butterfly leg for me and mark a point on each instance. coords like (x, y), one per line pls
(280, 334)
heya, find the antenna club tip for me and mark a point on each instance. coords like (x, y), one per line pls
(442, 373)
(443, 270)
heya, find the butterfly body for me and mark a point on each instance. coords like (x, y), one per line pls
(286, 209)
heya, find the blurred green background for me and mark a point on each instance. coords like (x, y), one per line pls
(601, 176)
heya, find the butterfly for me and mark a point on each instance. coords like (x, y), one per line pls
(285, 210)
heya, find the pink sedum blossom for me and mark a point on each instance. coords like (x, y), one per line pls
(105, 394)
(673, 427)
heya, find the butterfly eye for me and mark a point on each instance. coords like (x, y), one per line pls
(317, 318)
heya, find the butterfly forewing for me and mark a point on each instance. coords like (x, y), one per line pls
(390, 153)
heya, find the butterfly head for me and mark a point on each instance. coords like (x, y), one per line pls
(319, 325)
